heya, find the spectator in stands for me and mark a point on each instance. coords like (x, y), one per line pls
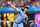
(38, 4)
(20, 3)
(0, 4)
(33, 4)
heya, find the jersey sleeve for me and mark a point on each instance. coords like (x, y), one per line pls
(20, 11)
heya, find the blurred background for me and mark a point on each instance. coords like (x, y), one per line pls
(8, 14)
(20, 3)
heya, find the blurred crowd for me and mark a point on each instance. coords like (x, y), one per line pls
(20, 3)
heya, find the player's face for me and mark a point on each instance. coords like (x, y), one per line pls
(26, 9)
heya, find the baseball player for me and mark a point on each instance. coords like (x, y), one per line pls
(33, 24)
(21, 16)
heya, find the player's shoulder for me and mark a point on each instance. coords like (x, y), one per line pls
(20, 11)
(31, 24)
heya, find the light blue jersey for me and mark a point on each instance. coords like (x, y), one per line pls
(21, 17)
(19, 21)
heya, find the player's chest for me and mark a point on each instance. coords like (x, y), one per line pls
(21, 15)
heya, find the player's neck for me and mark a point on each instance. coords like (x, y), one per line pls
(24, 12)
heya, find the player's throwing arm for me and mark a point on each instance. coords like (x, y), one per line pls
(13, 6)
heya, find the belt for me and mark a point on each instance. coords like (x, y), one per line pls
(17, 23)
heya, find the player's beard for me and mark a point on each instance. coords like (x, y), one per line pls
(26, 12)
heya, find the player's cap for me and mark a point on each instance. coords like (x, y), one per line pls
(26, 7)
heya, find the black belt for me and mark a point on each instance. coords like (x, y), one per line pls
(17, 23)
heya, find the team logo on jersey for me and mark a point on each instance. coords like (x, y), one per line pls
(26, 17)
(21, 15)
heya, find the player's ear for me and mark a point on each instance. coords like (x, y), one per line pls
(22, 9)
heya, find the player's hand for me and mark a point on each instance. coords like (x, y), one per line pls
(9, 3)
(26, 23)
